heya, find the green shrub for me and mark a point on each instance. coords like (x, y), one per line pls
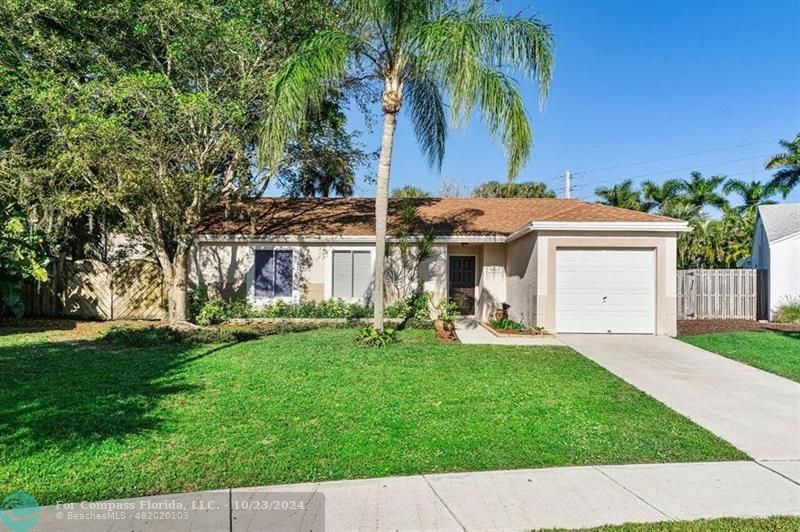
(150, 336)
(788, 311)
(506, 324)
(217, 311)
(213, 311)
(447, 310)
(369, 337)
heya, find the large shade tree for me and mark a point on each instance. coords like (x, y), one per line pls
(150, 109)
(787, 165)
(441, 60)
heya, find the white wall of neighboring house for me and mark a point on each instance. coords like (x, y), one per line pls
(784, 271)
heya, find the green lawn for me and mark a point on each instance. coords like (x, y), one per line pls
(772, 524)
(774, 351)
(87, 420)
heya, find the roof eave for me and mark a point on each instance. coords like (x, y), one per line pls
(658, 227)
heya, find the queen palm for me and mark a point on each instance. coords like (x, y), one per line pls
(432, 56)
(788, 165)
(752, 194)
(703, 191)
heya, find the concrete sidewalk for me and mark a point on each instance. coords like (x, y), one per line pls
(569, 497)
(756, 411)
(470, 331)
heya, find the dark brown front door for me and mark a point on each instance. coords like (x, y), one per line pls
(462, 283)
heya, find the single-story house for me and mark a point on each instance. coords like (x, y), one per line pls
(561, 264)
(776, 249)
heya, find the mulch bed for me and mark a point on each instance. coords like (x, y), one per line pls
(694, 327)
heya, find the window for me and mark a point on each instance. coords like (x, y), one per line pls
(352, 274)
(274, 268)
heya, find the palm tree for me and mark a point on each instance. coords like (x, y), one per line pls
(624, 196)
(682, 211)
(788, 165)
(703, 191)
(660, 196)
(753, 194)
(409, 191)
(419, 52)
(528, 189)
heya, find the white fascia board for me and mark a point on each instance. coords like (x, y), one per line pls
(660, 227)
(227, 239)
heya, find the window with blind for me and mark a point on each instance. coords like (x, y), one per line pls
(352, 274)
(274, 269)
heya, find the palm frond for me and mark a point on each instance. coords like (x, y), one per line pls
(300, 86)
(426, 107)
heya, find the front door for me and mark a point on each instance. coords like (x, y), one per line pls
(462, 283)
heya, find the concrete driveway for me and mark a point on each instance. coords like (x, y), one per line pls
(756, 411)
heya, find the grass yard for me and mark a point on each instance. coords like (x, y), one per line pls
(766, 524)
(774, 351)
(87, 419)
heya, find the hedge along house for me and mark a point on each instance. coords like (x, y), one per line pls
(561, 264)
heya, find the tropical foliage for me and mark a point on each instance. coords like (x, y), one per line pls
(787, 165)
(419, 55)
(623, 195)
(527, 189)
(409, 191)
(21, 258)
(752, 194)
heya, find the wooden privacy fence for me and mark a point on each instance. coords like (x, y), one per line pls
(91, 289)
(721, 294)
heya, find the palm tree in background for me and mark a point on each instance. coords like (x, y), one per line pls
(409, 191)
(623, 195)
(528, 189)
(788, 165)
(421, 53)
(660, 196)
(753, 194)
(702, 191)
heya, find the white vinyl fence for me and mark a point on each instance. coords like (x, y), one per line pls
(721, 294)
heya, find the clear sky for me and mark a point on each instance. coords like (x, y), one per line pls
(636, 81)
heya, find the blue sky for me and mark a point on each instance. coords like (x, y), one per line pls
(636, 81)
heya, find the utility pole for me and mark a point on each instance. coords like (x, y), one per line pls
(567, 184)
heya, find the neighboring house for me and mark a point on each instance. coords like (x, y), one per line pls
(776, 249)
(564, 265)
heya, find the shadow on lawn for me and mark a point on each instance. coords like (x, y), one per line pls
(65, 395)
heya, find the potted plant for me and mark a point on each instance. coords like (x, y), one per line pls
(501, 313)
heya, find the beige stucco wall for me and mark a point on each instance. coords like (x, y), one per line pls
(536, 277)
(521, 280)
(227, 269)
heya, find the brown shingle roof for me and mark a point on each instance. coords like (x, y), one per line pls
(448, 216)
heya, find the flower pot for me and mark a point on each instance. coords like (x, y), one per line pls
(500, 314)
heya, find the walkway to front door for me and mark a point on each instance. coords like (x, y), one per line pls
(461, 283)
(756, 411)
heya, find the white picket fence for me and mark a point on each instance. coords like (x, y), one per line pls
(721, 294)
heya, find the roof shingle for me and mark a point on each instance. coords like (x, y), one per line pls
(448, 216)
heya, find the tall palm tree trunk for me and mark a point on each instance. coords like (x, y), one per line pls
(381, 204)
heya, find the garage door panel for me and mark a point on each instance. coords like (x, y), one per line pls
(605, 290)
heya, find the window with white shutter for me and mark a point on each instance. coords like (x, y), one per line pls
(352, 274)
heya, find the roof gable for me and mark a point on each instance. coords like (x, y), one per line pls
(780, 221)
(446, 216)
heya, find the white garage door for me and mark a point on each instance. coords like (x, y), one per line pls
(605, 291)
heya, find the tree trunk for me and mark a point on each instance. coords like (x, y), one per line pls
(381, 203)
(176, 287)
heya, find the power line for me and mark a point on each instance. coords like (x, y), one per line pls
(689, 168)
(675, 156)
